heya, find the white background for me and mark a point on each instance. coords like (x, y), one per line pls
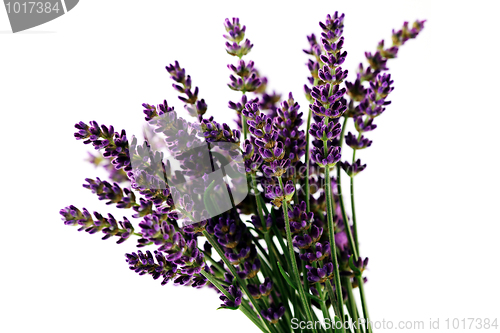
(427, 203)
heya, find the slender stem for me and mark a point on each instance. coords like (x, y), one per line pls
(352, 303)
(223, 290)
(281, 288)
(324, 309)
(283, 246)
(353, 211)
(214, 263)
(216, 283)
(306, 283)
(352, 243)
(273, 256)
(244, 126)
(248, 313)
(295, 269)
(342, 133)
(258, 201)
(261, 249)
(331, 231)
(241, 283)
(309, 116)
(363, 303)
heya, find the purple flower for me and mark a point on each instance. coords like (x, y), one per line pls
(388, 53)
(252, 161)
(287, 123)
(329, 159)
(364, 125)
(341, 240)
(256, 221)
(276, 168)
(356, 90)
(242, 69)
(320, 274)
(299, 219)
(320, 251)
(358, 266)
(381, 87)
(108, 226)
(235, 36)
(264, 289)
(236, 296)
(115, 144)
(215, 132)
(401, 36)
(145, 264)
(249, 269)
(236, 33)
(376, 61)
(330, 72)
(307, 239)
(332, 47)
(326, 104)
(263, 129)
(273, 314)
(123, 198)
(277, 196)
(354, 169)
(352, 141)
(195, 107)
(333, 23)
(325, 132)
(245, 84)
(240, 106)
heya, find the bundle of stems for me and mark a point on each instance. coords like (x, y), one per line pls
(257, 212)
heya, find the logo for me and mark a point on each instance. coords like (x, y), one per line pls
(24, 15)
(205, 179)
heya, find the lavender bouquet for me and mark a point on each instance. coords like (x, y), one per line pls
(255, 212)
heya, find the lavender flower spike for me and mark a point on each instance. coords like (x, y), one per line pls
(248, 250)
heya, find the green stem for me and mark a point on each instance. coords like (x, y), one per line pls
(332, 296)
(352, 243)
(241, 283)
(248, 312)
(283, 246)
(223, 290)
(295, 269)
(244, 126)
(214, 263)
(306, 283)
(331, 232)
(352, 303)
(273, 255)
(308, 204)
(281, 288)
(342, 133)
(353, 210)
(261, 249)
(258, 201)
(363, 303)
(324, 309)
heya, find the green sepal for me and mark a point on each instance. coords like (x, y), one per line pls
(229, 307)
